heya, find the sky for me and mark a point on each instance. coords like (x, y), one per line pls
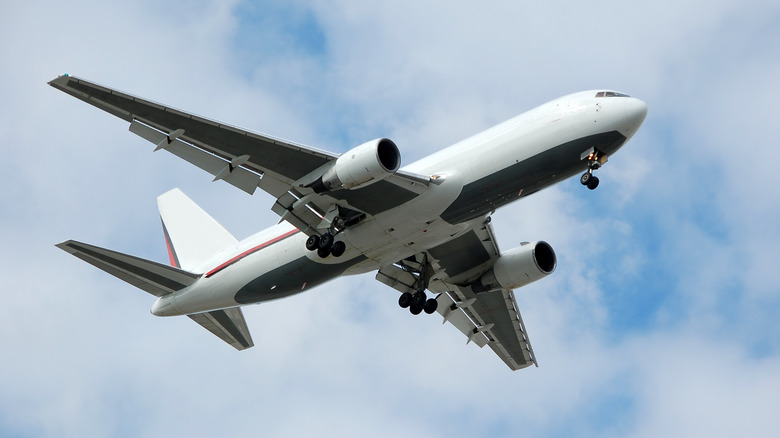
(660, 319)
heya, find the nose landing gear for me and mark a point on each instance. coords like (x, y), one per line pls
(589, 180)
(595, 160)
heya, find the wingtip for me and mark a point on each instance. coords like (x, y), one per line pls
(60, 80)
(65, 246)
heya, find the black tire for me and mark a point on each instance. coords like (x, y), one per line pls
(326, 241)
(593, 183)
(416, 309)
(405, 300)
(419, 298)
(313, 242)
(338, 248)
(430, 306)
(323, 253)
(585, 178)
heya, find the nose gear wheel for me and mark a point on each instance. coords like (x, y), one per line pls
(595, 160)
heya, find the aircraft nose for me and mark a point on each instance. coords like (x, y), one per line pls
(636, 111)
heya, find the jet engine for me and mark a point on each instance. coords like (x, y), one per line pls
(518, 267)
(366, 164)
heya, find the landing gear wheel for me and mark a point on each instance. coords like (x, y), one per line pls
(419, 299)
(405, 300)
(338, 248)
(416, 309)
(326, 241)
(323, 252)
(430, 306)
(593, 182)
(585, 178)
(313, 242)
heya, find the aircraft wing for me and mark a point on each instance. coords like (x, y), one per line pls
(489, 318)
(247, 160)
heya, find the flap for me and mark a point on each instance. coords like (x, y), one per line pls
(454, 314)
(229, 171)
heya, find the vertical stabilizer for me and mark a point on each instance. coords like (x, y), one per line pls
(192, 236)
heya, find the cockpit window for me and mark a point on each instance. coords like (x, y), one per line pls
(611, 94)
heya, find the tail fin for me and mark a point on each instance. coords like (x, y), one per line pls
(153, 277)
(192, 236)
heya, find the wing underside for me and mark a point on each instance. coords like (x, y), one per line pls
(488, 318)
(493, 317)
(248, 160)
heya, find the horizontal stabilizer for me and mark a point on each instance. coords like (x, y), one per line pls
(229, 325)
(153, 277)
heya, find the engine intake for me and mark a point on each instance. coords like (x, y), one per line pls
(366, 164)
(518, 267)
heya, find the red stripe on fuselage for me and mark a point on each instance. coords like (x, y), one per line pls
(250, 251)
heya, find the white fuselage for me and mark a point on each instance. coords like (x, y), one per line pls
(470, 180)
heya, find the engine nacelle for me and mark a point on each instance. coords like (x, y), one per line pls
(366, 164)
(518, 267)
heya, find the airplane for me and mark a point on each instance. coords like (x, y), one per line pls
(422, 227)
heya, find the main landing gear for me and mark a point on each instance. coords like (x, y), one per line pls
(418, 302)
(339, 219)
(326, 245)
(595, 160)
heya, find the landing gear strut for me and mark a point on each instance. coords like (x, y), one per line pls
(417, 302)
(595, 160)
